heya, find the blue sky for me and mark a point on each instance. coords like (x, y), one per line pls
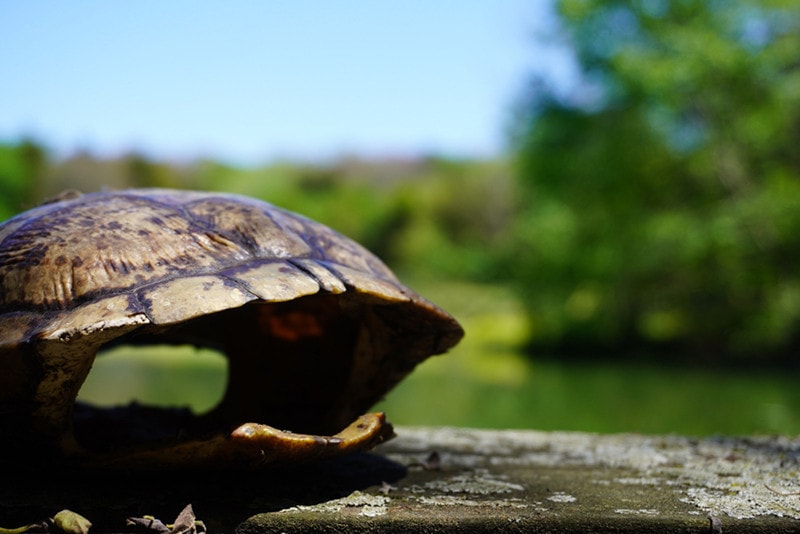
(250, 81)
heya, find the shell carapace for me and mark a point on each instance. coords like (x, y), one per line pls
(315, 328)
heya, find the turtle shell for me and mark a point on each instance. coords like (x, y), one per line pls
(315, 328)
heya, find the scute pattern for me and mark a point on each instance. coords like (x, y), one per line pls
(98, 244)
(274, 281)
(250, 225)
(102, 243)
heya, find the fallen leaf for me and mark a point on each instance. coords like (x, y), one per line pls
(71, 523)
(147, 523)
(35, 527)
(185, 522)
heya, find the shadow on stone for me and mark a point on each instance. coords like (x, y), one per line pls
(221, 500)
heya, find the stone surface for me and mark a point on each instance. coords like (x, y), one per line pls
(477, 481)
(528, 481)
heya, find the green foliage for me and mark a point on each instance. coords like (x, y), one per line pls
(141, 172)
(665, 209)
(21, 166)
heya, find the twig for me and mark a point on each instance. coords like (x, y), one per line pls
(783, 493)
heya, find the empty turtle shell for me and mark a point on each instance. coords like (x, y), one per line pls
(315, 328)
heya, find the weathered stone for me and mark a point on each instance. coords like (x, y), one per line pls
(524, 481)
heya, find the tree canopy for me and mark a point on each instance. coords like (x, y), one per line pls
(662, 194)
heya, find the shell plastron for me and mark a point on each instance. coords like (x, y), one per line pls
(315, 329)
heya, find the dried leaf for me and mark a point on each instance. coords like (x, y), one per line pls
(71, 523)
(147, 523)
(35, 527)
(185, 522)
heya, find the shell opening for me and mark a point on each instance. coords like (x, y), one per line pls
(159, 375)
(147, 392)
(291, 365)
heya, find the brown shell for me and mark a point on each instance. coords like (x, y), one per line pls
(315, 327)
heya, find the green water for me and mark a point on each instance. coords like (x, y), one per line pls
(605, 398)
(486, 382)
(508, 393)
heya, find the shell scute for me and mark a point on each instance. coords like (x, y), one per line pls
(273, 281)
(325, 278)
(368, 283)
(103, 314)
(248, 224)
(180, 299)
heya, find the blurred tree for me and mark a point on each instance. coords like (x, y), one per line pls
(144, 172)
(661, 197)
(457, 216)
(85, 172)
(22, 166)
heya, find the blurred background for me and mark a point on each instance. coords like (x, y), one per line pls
(605, 194)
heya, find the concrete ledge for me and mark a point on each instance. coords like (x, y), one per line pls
(514, 481)
(477, 481)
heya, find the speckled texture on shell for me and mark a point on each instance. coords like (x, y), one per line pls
(98, 245)
(81, 272)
